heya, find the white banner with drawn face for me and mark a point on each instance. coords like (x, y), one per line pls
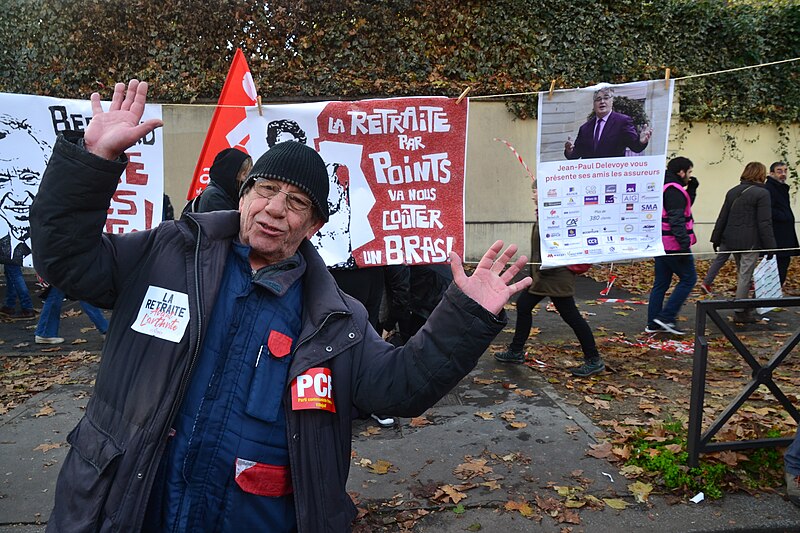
(29, 126)
(396, 168)
(600, 172)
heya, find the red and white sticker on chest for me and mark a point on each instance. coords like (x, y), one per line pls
(313, 389)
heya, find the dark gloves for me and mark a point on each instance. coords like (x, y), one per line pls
(770, 256)
(715, 246)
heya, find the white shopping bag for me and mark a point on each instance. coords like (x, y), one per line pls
(767, 282)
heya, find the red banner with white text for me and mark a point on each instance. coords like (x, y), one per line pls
(396, 168)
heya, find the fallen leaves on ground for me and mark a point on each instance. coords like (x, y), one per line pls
(449, 493)
(522, 507)
(381, 467)
(47, 446)
(472, 468)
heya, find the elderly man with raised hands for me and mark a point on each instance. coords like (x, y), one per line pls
(233, 363)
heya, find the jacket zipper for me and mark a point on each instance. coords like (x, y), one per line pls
(151, 471)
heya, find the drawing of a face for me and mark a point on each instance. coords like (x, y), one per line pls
(279, 131)
(23, 159)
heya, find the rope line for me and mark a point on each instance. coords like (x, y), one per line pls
(529, 93)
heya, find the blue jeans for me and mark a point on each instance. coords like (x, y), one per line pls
(51, 315)
(667, 265)
(791, 459)
(16, 288)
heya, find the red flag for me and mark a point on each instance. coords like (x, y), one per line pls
(227, 125)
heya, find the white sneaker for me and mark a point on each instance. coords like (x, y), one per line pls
(669, 326)
(384, 422)
(48, 340)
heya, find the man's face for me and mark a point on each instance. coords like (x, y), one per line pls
(271, 229)
(603, 103)
(21, 167)
(686, 175)
(780, 173)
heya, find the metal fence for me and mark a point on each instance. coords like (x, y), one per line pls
(700, 441)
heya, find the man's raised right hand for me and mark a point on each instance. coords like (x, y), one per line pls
(112, 132)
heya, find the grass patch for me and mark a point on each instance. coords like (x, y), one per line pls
(661, 452)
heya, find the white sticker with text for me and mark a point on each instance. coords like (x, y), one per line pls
(163, 314)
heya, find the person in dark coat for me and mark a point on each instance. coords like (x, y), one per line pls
(782, 216)
(412, 292)
(232, 363)
(745, 223)
(607, 133)
(558, 284)
(227, 174)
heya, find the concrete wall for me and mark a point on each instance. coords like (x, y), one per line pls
(498, 194)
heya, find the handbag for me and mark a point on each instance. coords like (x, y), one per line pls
(579, 268)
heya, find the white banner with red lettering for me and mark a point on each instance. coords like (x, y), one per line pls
(29, 126)
(396, 169)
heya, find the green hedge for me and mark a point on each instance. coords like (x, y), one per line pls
(362, 48)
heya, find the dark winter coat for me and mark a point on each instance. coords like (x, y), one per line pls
(223, 190)
(107, 477)
(782, 217)
(559, 281)
(745, 220)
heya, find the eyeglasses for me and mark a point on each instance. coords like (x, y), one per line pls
(269, 189)
(603, 98)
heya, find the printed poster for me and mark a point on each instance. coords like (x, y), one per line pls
(396, 169)
(28, 129)
(600, 172)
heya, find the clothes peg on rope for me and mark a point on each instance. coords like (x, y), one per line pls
(666, 79)
(463, 94)
(552, 88)
(260, 112)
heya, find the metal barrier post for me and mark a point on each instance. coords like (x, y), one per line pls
(700, 442)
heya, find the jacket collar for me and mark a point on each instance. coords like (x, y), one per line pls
(321, 296)
(671, 177)
(217, 225)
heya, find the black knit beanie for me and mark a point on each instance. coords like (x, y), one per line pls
(297, 164)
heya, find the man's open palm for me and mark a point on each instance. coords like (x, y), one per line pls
(112, 132)
(490, 285)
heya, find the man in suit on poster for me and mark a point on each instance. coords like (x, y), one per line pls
(607, 133)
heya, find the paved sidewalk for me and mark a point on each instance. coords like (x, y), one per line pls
(525, 462)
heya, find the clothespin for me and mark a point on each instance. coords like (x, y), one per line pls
(666, 79)
(260, 112)
(552, 88)
(463, 94)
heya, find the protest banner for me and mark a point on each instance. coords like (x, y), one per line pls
(228, 127)
(599, 183)
(29, 126)
(396, 169)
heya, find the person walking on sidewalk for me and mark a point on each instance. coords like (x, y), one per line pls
(677, 235)
(233, 363)
(16, 289)
(558, 284)
(745, 223)
(782, 216)
(50, 319)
